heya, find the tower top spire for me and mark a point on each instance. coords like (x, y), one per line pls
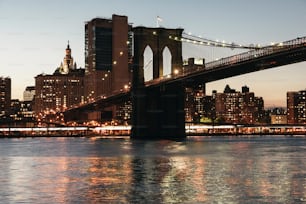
(68, 47)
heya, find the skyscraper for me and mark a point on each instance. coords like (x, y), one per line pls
(107, 55)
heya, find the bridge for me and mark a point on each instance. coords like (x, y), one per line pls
(158, 104)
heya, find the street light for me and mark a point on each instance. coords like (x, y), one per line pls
(176, 71)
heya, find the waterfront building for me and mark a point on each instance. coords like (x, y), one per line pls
(195, 103)
(277, 115)
(108, 52)
(60, 90)
(124, 112)
(195, 95)
(296, 107)
(239, 107)
(279, 119)
(198, 106)
(189, 105)
(5, 96)
(21, 113)
(15, 108)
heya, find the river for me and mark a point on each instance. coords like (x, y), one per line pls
(266, 169)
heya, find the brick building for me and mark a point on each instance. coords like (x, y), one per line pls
(62, 89)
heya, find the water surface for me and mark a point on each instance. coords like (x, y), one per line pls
(197, 170)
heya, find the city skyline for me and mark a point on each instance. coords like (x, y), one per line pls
(33, 42)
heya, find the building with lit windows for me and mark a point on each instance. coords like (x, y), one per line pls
(277, 116)
(189, 105)
(108, 52)
(239, 107)
(5, 96)
(21, 113)
(124, 112)
(197, 104)
(60, 90)
(296, 107)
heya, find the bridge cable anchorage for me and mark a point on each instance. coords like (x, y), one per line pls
(207, 42)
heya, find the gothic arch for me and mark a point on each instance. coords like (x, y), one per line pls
(167, 61)
(159, 40)
(148, 63)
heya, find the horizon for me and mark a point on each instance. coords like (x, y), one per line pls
(34, 42)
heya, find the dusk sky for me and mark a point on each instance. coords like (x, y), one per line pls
(34, 35)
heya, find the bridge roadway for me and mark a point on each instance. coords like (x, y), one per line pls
(285, 53)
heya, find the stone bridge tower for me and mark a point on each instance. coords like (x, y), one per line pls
(158, 112)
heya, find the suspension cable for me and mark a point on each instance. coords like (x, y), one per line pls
(207, 42)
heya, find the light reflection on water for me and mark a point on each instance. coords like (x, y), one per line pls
(198, 170)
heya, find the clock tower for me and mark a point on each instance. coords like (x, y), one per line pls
(67, 64)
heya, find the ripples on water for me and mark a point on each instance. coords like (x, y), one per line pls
(198, 170)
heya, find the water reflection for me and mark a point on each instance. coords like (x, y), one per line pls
(123, 171)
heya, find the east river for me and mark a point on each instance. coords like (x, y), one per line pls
(258, 169)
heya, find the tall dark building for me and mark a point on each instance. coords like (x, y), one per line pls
(5, 96)
(296, 107)
(107, 55)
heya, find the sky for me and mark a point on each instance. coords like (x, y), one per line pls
(34, 35)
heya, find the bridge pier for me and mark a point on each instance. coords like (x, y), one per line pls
(158, 113)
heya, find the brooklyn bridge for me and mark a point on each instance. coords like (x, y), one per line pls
(158, 104)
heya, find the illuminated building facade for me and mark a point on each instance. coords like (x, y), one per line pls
(124, 112)
(5, 96)
(61, 90)
(197, 104)
(15, 108)
(278, 119)
(107, 54)
(189, 105)
(296, 107)
(239, 107)
(276, 116)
